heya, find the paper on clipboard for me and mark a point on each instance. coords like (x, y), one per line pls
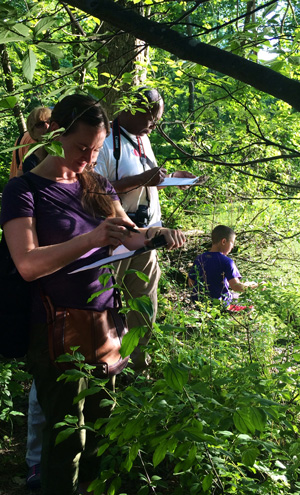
(173, 181)
(111, 259)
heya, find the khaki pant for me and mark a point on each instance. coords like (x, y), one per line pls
(135, 287)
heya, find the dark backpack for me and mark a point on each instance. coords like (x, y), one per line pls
(15, 301)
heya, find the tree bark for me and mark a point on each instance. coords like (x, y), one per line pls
(125, 52)
(10, 87)
(254, 74)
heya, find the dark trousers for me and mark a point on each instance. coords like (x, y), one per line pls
(74, 459)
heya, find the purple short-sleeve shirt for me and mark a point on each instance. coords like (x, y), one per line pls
(211, 271)
(60, 217)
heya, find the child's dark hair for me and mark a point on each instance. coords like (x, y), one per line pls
(73, 109)
(69, 113)
(222, 232)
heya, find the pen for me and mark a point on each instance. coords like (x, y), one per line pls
(131, 229)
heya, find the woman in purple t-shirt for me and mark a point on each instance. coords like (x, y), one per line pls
(77, 215)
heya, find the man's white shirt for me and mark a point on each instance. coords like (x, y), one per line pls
(129, 165)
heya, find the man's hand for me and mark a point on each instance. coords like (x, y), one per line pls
(152, 177)
(183, 174)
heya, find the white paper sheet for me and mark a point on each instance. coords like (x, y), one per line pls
(174, 181)
(111, 259)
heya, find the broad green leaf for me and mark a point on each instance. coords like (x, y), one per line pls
(242, 421)
(102, 449)
(32, 148)
(8, 37)
(104, 278)
(160, 453)
(43, 24)
(207, 482)
(63, 435)
(114, 486)
(133, 452)
(86, 392)
(55, 149)
(194, 434)
(276, 65)
(131, 340)
(8, 102)
(182, 449)
(176, 377)
(258, 418)
(269, 9)
(142, 276)
(249, 456)
(29, 64)
(51, 49)
(97, 93)
(142, 304)
(22, 29)
(294, 60)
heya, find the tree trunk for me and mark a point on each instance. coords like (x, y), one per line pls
(10, 87)
(124, 53)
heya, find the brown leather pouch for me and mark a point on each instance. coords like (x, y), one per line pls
(97, 333)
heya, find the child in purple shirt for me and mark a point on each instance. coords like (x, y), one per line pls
(214, 273)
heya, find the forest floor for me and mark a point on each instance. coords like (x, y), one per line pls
(13, 468)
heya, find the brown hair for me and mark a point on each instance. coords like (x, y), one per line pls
(68, 113)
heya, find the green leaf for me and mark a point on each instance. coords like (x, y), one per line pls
(29, 64)
(55, 149)
(22, 29)
(86, 392)
(43, 24)
(142, 276)
(104, 278)
(142, 304)
(51, 49)
(207, 482)
(131, 340)
(8, 102)
(102, 449)
(269, 9)
(8, 37)
(249, 456)
(176, 377)
(241, 421)
(258, 418)
(63, 435)
(114, 486)
(160, 453)
(294, 60)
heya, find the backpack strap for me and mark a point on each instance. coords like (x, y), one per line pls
(17, 150)
(116, 132)
(116, 143)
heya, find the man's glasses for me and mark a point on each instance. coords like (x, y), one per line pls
(41, 124)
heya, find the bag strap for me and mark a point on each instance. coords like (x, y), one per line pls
(17, 150)
(116, 133)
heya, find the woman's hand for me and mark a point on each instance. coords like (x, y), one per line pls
(111, 232)
(174, 238)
